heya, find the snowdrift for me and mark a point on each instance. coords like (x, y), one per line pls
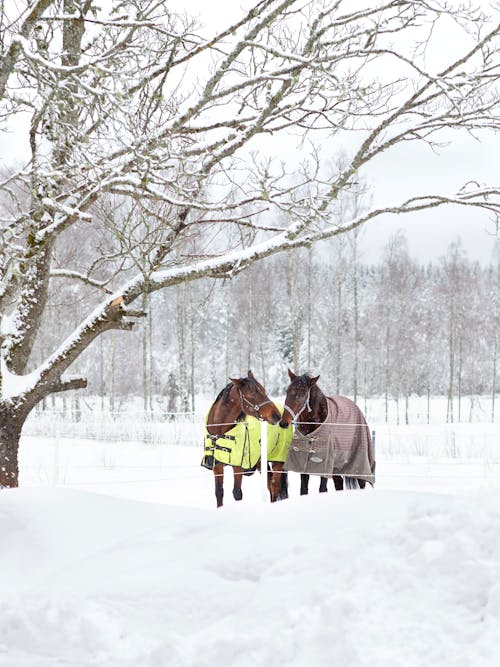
(383, 579)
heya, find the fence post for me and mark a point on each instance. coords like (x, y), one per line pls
(263, 461)
(374, 437)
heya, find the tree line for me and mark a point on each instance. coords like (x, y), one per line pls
(395, 329)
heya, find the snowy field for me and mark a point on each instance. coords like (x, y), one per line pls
(114, 554)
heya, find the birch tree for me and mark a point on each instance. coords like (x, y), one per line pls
(137, 102)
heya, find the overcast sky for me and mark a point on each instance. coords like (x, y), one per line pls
(394, 175)
(430, 232)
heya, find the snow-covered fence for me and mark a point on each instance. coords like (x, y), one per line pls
(464, 441)
(133, 454)
(127, 426)
(458, 441)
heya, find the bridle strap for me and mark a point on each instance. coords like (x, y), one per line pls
(255, 407)
(305, 405)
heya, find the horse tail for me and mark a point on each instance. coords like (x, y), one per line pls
(283, 492)
(351, 483)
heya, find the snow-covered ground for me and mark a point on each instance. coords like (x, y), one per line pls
(114, 554)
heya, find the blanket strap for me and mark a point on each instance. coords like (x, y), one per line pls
(215, 446)
(216, 437)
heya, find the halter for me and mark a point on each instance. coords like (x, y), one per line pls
(255, 407)
(305, 405)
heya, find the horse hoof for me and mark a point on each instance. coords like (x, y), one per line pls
(237, 494)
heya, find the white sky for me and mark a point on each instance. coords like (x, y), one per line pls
(429, 233)
(393, 176)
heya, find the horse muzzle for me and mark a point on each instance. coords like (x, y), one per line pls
(276, 417)
(284, 421)
(287, 416)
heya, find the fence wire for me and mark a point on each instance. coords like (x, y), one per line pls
(137, 448)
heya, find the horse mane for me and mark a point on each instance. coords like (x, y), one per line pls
(303, 379)
(223, 397)
(224, 394)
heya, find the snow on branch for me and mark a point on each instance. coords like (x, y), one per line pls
(9, 59)
(75, 275)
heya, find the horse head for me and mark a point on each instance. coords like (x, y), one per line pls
(297, 397)
(254, 400)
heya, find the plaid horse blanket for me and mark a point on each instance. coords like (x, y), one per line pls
(341, 445)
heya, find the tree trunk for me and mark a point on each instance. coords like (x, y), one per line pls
(145, 359)
(229, 311)
(387, 370)
(250, 319)
(451, 372)
(192, 348)
(112, 375)
(459, 379)
(181, 341)
(101, 371)
(496, 324)
(263, 367)
(338, 325)
(294, 313)
(355, 315)
(309, 307)
(429, 401)
(10, 432)
(151, 375)
(494, 378)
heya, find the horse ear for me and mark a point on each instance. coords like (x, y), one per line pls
(291, 375)
(314, 380)
(236, 381)
(250, 375)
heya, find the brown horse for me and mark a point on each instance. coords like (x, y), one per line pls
(343, 427)
(232, 440)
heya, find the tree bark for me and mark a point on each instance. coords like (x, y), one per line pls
(355, 314)
(145, 359)
(181, 340)
(309, 307)
(451, 367)
(338, 329)
(10, 433)
(112, 375)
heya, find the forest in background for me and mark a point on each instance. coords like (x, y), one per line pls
(397, 329)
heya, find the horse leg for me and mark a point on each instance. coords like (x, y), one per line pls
(270, 481)
(339, 482)
(238, 476)
(283, 492)
(274, 481)
(304, 484)
(219, 483)
(322, 485)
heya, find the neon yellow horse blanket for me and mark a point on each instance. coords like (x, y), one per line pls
(240, 446)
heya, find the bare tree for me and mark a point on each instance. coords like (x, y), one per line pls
(495, 320)
(134, 102)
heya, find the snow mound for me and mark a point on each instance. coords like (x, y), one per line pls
(379, 579)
